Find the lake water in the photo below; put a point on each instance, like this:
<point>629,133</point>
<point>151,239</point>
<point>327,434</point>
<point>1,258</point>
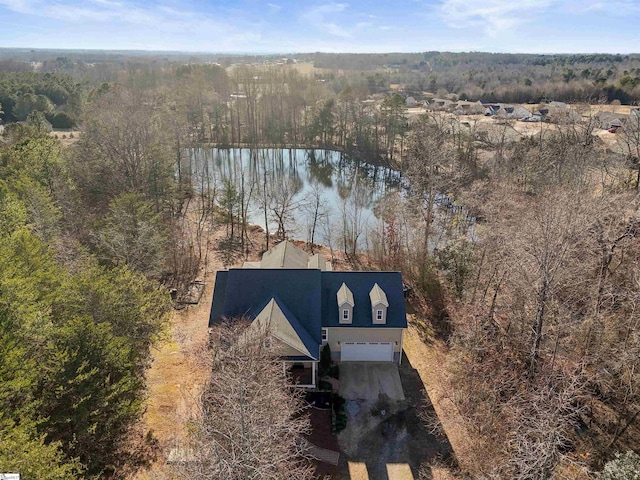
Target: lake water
<point>346,187</point>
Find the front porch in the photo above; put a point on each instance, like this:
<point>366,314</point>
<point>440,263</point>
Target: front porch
<point>302,374</point>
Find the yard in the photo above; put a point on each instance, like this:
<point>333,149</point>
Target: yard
<point>387,438</point>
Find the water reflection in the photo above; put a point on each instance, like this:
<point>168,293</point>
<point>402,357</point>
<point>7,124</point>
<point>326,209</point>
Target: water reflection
<point>323,190</point>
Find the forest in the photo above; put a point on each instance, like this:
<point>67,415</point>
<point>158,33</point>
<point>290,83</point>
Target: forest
<point>523,248</point>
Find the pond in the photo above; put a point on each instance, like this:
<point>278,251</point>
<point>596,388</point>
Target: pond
<point>298,186</point>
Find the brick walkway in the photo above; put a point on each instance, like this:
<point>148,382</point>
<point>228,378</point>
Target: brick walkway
<point>320,454</point>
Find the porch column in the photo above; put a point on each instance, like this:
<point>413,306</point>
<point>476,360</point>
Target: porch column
<point>313,373</point>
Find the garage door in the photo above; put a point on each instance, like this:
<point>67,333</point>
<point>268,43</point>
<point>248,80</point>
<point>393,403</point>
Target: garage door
<point>367,352</point>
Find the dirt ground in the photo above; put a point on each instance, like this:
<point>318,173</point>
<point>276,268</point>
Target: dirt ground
<point>428,359</point>
<point>66,137</point>
<point>179,368</point>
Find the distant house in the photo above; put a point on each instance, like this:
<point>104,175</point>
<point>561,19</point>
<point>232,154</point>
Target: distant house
<point>507,111</point>
<point>555,104</point>
<point>469,108</point>
<point>491,109</point>
<point>439,104</point>
<point>304,305</point>
<point>411,102</point>
<point>609,120</point>
<point>558,112</point>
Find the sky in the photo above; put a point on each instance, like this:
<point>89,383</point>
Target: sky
<point>288,26</point>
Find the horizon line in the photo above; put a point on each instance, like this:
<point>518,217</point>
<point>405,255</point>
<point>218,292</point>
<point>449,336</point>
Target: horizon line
<point>259,54</point>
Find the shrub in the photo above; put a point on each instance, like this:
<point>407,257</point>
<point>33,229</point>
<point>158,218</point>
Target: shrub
<point>324,385</point>
<point>325,358</point>
<point>626,466</point>
<point>338,414</point>
<point>61,120</point>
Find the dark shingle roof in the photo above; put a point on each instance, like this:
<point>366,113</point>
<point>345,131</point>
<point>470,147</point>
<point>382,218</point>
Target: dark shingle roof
<point>307,297</point>
<point>360,284</point>
<point>247,291</point>
<point>219,295</point>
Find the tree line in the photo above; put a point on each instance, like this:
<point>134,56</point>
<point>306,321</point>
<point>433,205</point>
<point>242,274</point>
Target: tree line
<point>535,299</point>
<point>88,238</point>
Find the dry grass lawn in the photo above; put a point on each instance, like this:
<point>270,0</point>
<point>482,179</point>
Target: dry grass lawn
<point>429,360</point>
<point>68,138</point>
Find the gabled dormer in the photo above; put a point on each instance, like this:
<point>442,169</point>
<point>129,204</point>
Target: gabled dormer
<point>379,305</point>
<point>345,304</point>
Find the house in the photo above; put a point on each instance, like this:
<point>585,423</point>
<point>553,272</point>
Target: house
<point>287,255</point>
<point>609,120</point>
<point>411,102</point>
<point>303,305</point>
<point>491,109</point>
<point>439,104</point>
<point>468,108</point>
<point>513,112</point>
<point>557,112</point>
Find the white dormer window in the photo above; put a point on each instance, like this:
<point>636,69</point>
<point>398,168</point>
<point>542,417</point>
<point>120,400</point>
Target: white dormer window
<point>345,302</point>
<point>379,305</point>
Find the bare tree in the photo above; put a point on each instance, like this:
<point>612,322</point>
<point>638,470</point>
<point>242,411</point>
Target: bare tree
<point>430,167</point>
<point>316,209</point>
<point>353,215</point>
<point>250,423</point>
<point>283,202</point>
<point>632,142</point>
<point>540,246</point>
<point>541,427</point>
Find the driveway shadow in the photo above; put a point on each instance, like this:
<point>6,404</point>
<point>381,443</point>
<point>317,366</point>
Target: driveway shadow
<point>408,433</point>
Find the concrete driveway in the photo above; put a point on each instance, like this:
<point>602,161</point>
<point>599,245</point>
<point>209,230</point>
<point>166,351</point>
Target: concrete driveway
<point>367,380</point>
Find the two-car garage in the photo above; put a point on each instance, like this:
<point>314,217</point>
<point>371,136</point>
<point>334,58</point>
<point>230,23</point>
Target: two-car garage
<point>366,352</point>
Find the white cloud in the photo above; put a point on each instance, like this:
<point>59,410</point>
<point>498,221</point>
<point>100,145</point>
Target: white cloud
<point>619,7</point>
<point>317,17</point>
<point>273,8</point>
<point>19,6</point>
<point>108,3</point>
<point>493,15</point>
<point>154,27</point>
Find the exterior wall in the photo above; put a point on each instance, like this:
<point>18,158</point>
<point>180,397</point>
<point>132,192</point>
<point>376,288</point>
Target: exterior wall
<point>284,350</point>
<point>345,306</point>
<point>354,334</point>
<point>374,317</point>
